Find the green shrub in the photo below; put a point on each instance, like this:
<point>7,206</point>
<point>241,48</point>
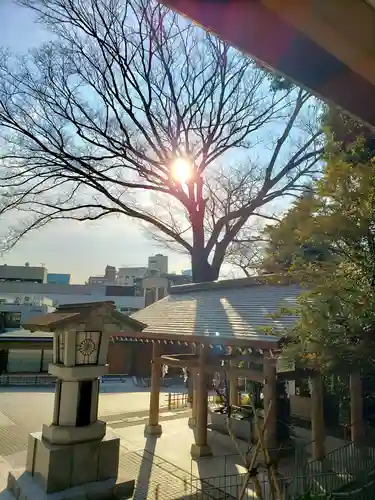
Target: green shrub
<point>245,399</point>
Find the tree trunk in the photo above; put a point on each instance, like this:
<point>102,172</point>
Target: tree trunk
<point>203,271</point>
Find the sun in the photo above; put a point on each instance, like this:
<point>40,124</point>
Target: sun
<point>181,170</point>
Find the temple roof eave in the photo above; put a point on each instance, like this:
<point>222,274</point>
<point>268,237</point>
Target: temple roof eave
<point>251,341</point>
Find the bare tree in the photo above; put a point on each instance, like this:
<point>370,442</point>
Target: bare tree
<point>247,257</point>
<point>92,123</point>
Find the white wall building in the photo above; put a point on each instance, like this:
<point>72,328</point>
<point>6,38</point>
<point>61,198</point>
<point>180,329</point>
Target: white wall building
<point>23,273</point>
<point>158,264</point>
<point>14,310</point>
<point>123,297</point>
<point>128,275</point>
<point>99,280</point>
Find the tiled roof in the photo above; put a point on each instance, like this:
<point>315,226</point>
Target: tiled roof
<point>236,308</point>
<point>67,313</point>
<point>21,334</point>
<point>85,306</point>
<point>50,319</point>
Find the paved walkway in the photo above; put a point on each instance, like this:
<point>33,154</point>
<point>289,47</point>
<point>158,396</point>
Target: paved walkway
<point>162,467</point>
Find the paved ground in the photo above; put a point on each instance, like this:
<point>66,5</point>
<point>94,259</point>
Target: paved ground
<point>23,411</point>
<point>161,467</point>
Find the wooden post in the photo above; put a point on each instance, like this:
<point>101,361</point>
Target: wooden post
<point>233,390</point>
<point>317,417</point>
<point>200,448</point>
<point>193,418</point>
<point>190,387</point>
<point>153,427</point>
<point>270,399</point>
<point>356,408</point>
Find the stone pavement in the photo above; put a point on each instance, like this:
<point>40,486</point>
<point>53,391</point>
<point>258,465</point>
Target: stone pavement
<point>155,477</point>
<point>161,467</point>
<point>25,410</point>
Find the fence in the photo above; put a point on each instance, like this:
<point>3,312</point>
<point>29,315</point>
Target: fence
<point>181,400</point>
<point>345,465</point>
<point>230,488</point>
<point>114,377</point>
<point>163,480</point>
<point>366,492</point>
<point>27,380</point>
<point>343,468</point>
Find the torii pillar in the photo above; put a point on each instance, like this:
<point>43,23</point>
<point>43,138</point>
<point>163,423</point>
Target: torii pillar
<point>317,417</point>
<point>200,448</point>
<point>270,401</point>
<point>233,390</point>
<point>153,427</point>
<point>356,408</point>
<point>193,418</point>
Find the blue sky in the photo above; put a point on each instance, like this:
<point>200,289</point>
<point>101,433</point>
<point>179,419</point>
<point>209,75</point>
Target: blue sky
<point>67,247</point>
<point>85,249</point>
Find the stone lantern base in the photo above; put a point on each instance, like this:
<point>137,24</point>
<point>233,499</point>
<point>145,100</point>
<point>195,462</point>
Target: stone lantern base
<point>81,471</point>
<point>21,486</point>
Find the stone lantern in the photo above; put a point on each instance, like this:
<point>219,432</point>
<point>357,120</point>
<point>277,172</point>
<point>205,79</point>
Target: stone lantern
<point>75,453</point>
<point>79,359</point>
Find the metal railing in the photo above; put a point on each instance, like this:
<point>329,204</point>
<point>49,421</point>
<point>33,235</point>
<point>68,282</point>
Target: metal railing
<point>114,377</point>
<point>346,464</point>
<point>181,400</point>
<point>230,487</point>
<point>170,482</point>
<point>366,492</point>
<point>27,379</point>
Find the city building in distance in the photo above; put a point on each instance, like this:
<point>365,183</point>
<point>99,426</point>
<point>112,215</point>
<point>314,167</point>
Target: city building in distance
<point>58,278</point>
<point>158,264</point>
<point>25,274</point>
<point>29,284</point>
<point>14,310</point>
<point>130,275</point>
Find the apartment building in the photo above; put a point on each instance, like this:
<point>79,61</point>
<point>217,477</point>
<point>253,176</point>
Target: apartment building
<point>26,273</point>
<point>158,264</point>
<point>124,298</point>
<point>58,278</point>
<point>157,287</point>
<point>130,275</point>
<point>14,310</point>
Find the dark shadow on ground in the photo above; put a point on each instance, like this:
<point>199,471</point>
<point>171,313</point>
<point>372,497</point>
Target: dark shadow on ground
<point>142,483</point>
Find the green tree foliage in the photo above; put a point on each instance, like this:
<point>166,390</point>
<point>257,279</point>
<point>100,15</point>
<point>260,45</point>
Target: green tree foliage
<point>336,316</point>
<point>346,131</point>
<point>295,240</point>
